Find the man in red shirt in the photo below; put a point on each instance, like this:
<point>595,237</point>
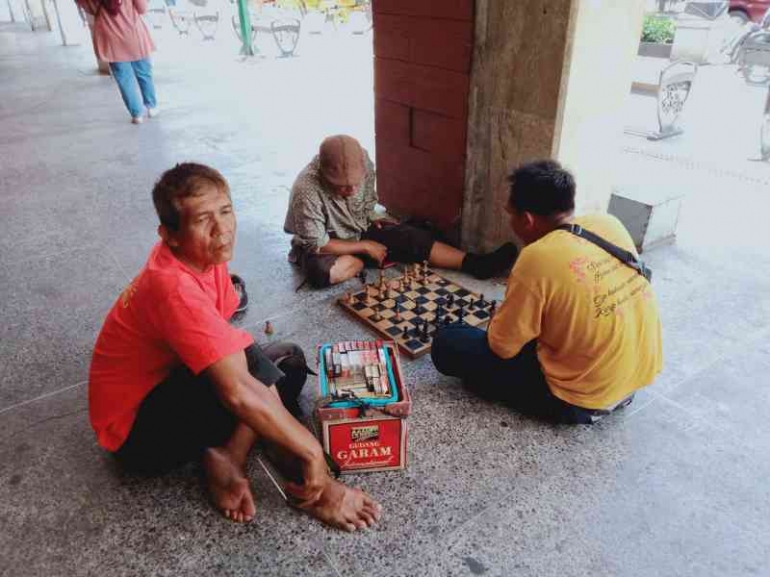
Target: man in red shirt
<point>171,380</point>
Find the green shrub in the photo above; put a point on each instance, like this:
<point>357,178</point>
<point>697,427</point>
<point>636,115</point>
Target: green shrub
<point>659,30</point>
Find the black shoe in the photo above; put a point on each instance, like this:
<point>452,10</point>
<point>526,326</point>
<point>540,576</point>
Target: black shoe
<point>488,265</point>
<point>240,290</point>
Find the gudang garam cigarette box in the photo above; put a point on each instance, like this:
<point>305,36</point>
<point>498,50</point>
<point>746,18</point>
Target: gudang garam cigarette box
<point>363,407</point>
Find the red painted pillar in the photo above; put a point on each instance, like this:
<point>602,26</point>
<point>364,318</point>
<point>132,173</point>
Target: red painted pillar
<point>422,65</point>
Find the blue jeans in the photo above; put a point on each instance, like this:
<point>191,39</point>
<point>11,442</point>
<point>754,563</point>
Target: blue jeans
<point>463,351</point>
<point>128,75</point>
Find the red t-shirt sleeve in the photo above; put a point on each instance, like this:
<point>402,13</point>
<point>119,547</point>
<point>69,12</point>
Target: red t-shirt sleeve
<point>196,330</point>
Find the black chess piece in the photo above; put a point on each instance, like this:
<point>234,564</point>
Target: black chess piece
<point>482,303</point>
<point>492,308</point>
<point>424,337</point>
<point>471,304</point>
<point>362,277</point>
<point>460,314</point>
<point>450,301</point>
<point>405,333</point>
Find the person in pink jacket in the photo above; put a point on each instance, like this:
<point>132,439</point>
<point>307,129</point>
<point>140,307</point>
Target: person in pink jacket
<point>121,38</point>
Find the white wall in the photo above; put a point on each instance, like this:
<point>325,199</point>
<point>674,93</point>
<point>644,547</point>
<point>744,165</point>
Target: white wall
<point>594,89</point>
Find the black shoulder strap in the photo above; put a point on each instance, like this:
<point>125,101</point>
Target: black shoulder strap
<point>626,257</point>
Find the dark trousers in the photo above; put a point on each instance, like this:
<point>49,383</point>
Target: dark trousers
<point>183,415</point>
<point>405,243</point>
<point>463,351</point>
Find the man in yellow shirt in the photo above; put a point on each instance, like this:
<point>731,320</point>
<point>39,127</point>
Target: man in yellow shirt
<point>578,332</point>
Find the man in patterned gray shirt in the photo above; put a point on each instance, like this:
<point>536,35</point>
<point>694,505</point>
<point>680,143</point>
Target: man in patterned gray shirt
<point>336,234</point>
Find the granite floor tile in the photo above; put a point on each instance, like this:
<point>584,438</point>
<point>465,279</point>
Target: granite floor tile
<point>70,510</point>
<point>663,508</point>
<point>52,310</point>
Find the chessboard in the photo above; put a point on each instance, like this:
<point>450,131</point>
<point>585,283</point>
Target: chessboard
<point>408,308</point>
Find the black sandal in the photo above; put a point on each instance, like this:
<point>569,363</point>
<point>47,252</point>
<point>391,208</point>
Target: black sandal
<point>240,289</point>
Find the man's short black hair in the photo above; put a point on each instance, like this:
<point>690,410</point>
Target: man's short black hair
<point>542,187</point>
<point>185,179</point>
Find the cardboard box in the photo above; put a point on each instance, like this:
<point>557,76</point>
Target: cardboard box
<point>373,438</point>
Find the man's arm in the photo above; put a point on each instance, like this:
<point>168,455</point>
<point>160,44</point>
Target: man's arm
<point>517,321</point>
<point>262,411</point>
<point>375,250</point>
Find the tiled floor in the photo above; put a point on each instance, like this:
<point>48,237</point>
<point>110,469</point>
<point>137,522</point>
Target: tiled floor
<point>676,485</point>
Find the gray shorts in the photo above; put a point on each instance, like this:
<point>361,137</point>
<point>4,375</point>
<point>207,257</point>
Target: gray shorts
<point>405,243</point>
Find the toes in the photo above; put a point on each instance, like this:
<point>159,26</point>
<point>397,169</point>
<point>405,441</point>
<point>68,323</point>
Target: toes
<point>371,503</point>
<point>373,512</point>
<point>367,517</point>
<point>249,509</point>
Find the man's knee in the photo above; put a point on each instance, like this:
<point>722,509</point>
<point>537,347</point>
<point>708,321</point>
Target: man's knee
<point>344,268</point>
<point>456,347</point>
<point>290,359</point>
<point>441,350</point>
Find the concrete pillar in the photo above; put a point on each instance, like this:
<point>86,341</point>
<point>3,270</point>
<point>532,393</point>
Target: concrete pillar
<point>16,11</point>
<point>69,23</point>
<point>37,12</point>
<point>101,66</point>
<point>6,13</point>
<point>549,80</point>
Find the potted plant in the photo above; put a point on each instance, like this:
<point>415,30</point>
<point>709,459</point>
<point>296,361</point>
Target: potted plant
<point>657,36</point>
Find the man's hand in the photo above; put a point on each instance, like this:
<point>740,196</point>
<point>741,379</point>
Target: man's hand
<point>315,479</point>
<point>384,222</point>
<point>376,251</point>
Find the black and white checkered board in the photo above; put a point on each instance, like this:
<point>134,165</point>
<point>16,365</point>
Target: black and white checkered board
<point>417,306</point>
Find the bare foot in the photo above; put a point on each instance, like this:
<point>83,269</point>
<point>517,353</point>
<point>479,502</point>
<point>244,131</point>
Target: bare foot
<point>228,486</point>
<point>344,508</point>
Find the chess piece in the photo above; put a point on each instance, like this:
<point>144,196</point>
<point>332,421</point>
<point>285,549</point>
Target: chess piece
<point>376,317</point>
<point>482,303</point>
<point>268,328</point>
<point>471,304</point>
<point>460,314</point>
<point>450,301</point>
<point>362,277</point>
<point>492,309</point>
<point>405,333</point>
<point>398,318</point>
<point>424,337</point>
